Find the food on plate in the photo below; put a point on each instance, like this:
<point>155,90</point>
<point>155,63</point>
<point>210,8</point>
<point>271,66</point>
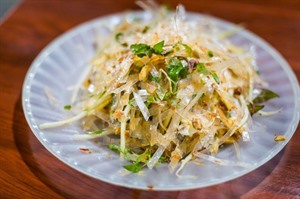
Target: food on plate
<point>167,90</point>
<point>279,138</point>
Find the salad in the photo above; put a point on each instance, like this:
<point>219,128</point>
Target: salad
<point>168,90</point>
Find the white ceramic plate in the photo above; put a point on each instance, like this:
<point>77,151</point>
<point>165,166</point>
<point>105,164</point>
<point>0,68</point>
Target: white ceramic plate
<point>58,67</point>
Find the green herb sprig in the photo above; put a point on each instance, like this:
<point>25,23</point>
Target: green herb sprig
<point>142,50</point>
<point>203,70</point>
<point>67,107</point>
<point>257,104</point>
<point>176,69</point>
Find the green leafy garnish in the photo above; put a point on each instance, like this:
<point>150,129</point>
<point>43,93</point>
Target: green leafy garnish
<point>141,50</point>
<point>118,38</point>
<point>264,96</point>
<point>134,168</point>
<point>254,108</point>
<point>168,95</point>
<point>96,132</point>
<point>175,69</point>
<point>146,28</point>
<point>158,48</point>
<point>154,78</point>
<point>187,49</point>
<point>131,101</point>
<point>162,159</point>
<point>144,157</point>
<point>210,53</point>
<point>150,99</point>
<point>139,163</point>
<point>203,70</point>
<point>114,148</point>
<point>117,148</point>
<point>216,78</point>
<point>101,94</point>
<point>67,107</point>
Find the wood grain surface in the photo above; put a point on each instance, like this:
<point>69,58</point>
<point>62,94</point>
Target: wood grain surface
<point>28,170</point>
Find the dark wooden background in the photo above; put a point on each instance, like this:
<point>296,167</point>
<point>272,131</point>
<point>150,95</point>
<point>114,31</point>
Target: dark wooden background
<point>28,170</point>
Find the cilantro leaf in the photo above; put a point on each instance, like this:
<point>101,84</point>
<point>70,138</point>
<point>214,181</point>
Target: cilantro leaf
<point>117,148</point>
<point>67,107</point>
<point>141,50</point>
<point>187,49</point>
<point>146,28</point>
<point>264,96</point>
<point>144,157</point>
<point>150,99</point>
<point>118,36</point>
<point>139,163</point>
<point>158,48</point>
<point>216,78</point>
<point>162,159</point>
<point>114,148</point>
<point>168,95</point>
<point>202,69</point>
<point>175,69</point>
<point>254,108</point>
<point>210,54</point>
<point>154,78</point>
<point>134,168</point>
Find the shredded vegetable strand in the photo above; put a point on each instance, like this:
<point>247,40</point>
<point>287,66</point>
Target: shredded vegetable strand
<point>144,110</point>
<point>183,163</point>
<point>91,136</point>
<point>63,122</point>
<point>160,121</point>
<point>72,119</point>
<point>123,129</point>
<point>222,161</point>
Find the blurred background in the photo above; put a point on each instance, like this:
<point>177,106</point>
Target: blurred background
<point>6,6</point>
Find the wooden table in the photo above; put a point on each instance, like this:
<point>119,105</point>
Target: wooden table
<point>28,170</point>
